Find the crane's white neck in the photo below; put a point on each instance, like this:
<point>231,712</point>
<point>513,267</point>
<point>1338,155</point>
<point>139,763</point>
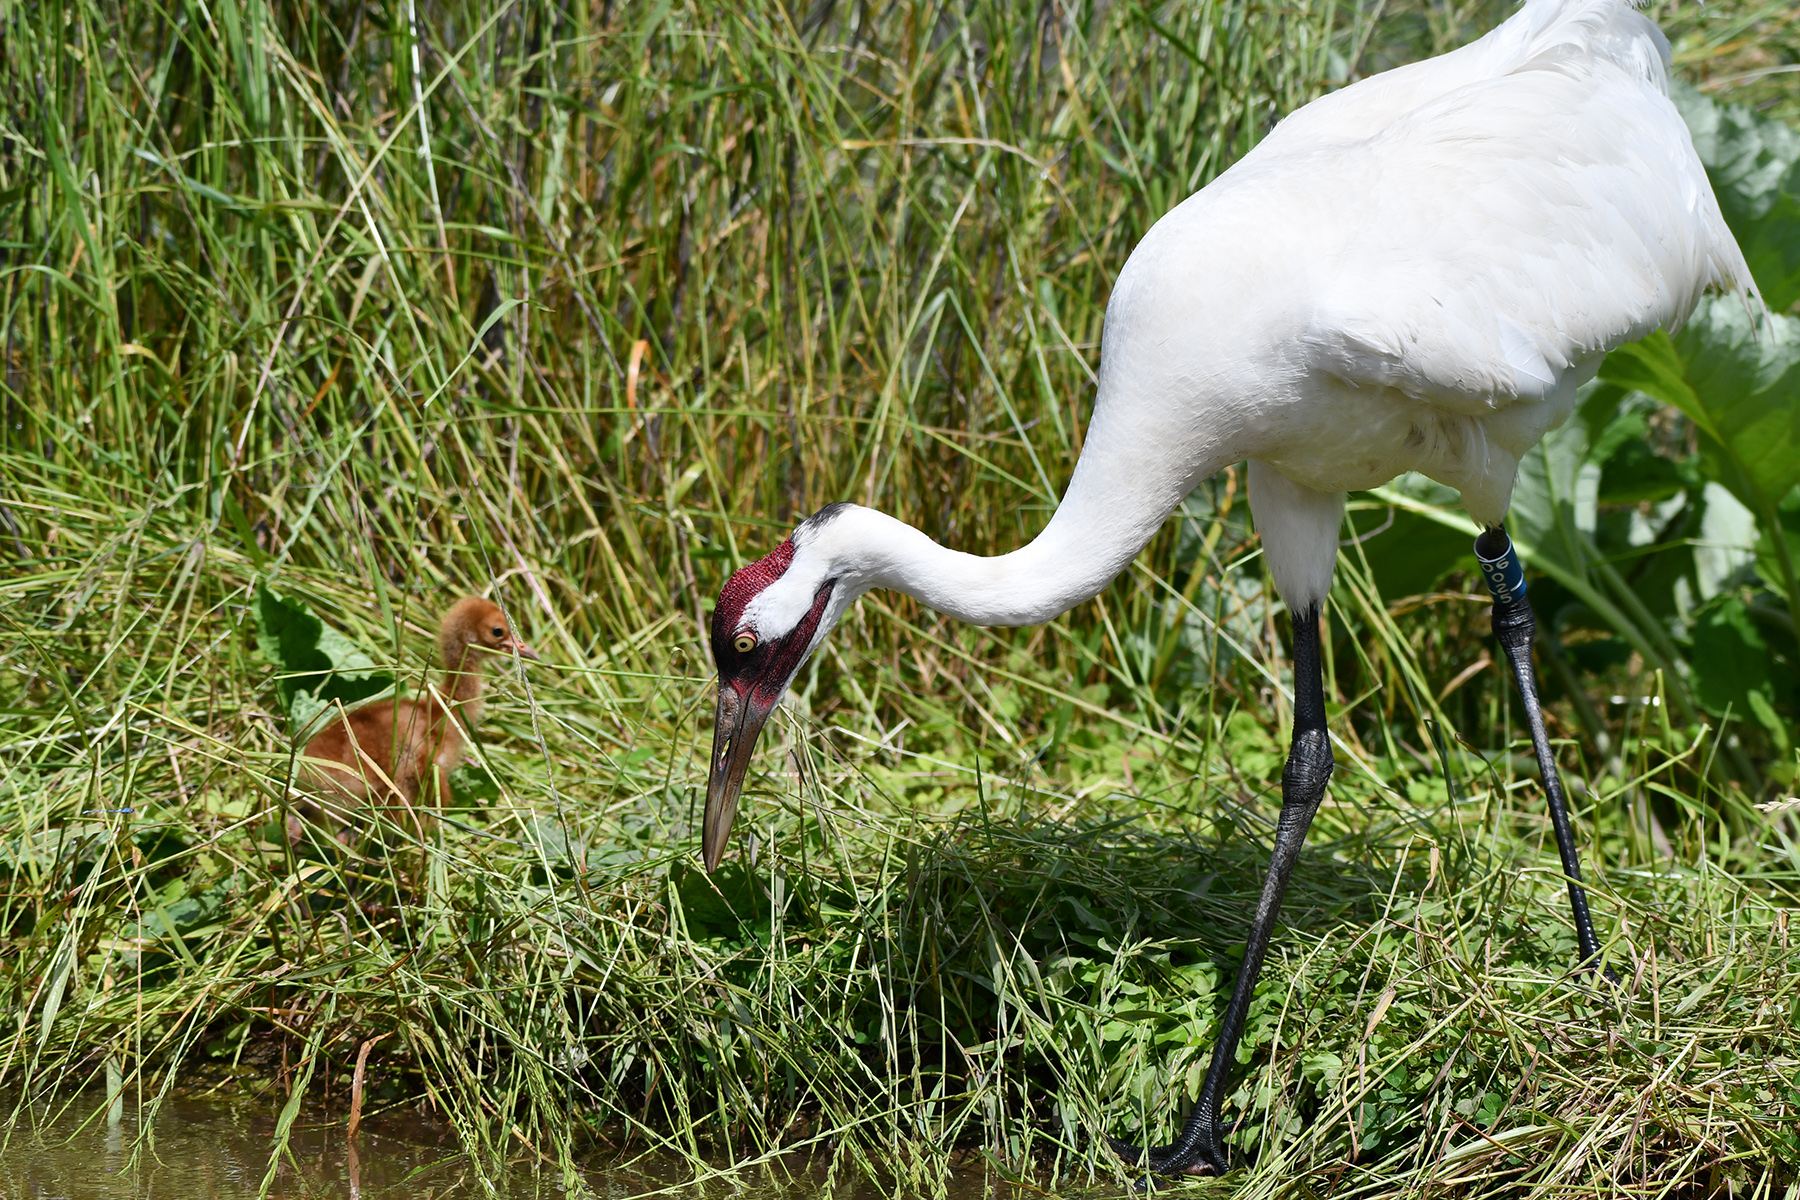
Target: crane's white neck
<point>1142,456</point>
<point>1093,536</point>
<point>1068,563</point>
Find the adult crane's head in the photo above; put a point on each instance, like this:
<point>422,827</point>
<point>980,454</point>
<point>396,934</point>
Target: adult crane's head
<point>771,615</point>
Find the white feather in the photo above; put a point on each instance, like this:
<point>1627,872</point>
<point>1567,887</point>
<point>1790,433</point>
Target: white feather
<point>1299,530</point>
<point>1413,273</point>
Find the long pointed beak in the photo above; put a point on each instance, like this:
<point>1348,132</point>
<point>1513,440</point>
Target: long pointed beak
<point>522,650</point>
<point>739,720</point>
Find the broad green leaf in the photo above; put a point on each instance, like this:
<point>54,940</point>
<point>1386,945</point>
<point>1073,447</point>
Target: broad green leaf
<point>1746,376</point>
<point>1753,162</point>
<point>1554,499</point>
<point>1736,375</point>
<point>318,667</point>
<point>1738,380</point>
<point>1653,367</point>
<point>1664,577</point>
<point>1727,542</point>
<point>1730,663</point>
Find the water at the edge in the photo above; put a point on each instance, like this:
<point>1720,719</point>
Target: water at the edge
<point>218,1149</point>
<point>207,1149</point>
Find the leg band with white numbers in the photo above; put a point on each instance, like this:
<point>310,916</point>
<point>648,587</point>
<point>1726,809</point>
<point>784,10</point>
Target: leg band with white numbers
<point>1504,574</point>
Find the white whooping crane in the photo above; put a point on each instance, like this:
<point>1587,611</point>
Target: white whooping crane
<point>1414,273</point>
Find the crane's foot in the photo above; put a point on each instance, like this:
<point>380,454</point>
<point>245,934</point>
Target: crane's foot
<point>1169,1160</point>
<point>1199,1151</point>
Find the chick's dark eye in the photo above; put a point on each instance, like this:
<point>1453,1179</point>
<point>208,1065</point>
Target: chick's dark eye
<point>499,632</point>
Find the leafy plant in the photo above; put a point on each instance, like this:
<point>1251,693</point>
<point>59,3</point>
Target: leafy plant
<point>319,670</point>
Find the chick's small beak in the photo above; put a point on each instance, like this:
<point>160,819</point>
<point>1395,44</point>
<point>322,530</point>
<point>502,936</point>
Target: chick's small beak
<point>739,720</point>
<point>519,648</point>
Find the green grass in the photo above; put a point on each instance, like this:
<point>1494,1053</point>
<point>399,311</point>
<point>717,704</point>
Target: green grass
<point>350,299</point>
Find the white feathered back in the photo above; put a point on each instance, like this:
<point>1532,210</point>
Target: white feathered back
<point>1521,205</point>
<point>1414,273</point>
<point>1417,272</point>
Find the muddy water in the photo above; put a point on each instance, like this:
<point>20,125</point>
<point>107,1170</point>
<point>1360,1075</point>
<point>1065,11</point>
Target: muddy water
<point>207,1149</point>
<point>211,1149</point>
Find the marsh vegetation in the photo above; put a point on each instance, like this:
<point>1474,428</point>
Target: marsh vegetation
<point>358,307</point>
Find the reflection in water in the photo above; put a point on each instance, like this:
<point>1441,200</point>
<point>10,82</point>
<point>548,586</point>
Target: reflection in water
<point>216,1149</point>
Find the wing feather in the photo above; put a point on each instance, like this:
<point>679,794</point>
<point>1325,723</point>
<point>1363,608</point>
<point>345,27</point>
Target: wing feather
<point>1510,227</point>
<point>1513,229</point>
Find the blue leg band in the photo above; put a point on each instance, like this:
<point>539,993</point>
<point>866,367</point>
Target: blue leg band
<point>1504,574</point>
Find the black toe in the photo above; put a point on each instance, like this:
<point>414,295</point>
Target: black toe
<point>1202,1159</point>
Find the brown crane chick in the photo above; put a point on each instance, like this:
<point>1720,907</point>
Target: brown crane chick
<point>390,753</point>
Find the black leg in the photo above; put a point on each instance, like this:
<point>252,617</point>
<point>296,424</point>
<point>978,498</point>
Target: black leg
<point>1514,627</point>
<point>1200,1149</point>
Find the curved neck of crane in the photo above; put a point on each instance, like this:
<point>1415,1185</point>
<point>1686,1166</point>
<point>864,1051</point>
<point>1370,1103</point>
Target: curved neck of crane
<point>1126,483</point>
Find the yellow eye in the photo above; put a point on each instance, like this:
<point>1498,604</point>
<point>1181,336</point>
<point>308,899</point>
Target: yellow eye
<point>744,643</point>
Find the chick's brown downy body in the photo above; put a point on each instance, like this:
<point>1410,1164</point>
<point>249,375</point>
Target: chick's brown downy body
<point>394,753</point>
